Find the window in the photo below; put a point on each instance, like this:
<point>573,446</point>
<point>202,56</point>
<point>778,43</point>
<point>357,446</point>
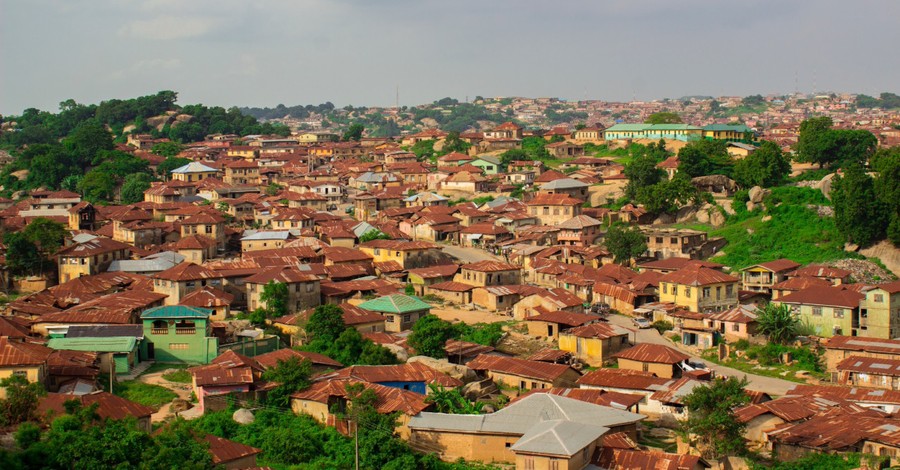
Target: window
<point>706,292</point>
<point>879,298</point>
<point>665,288</point>
<point>729,290</point>
<point>178,346</point>
<point>675,290</point>
<point>659,239</point>
<point>687,292</point>
<point>309,287</point>
<point>406,318</point>
<point>838,313</point>
<point>529,463</point>
<point>736,327</point>
<point>817,311</point>
<point>389,319</point>
<point>646,367</point>
<point>21,373</point>
<point>673,240</point>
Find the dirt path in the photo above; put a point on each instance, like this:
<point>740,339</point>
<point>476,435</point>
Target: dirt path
<point>183,390</point>
<point>469,317</point>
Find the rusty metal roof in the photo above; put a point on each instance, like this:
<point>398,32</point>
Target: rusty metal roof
<point>870,365</point>
<point>598,330</point>
<point>656,353</point>
<point>488,266</point>
<point>859,343</point>
<point>567,319</point>
<point>519,367</point>
<point>224,451</point>
<point>623,379</point>
<point>187,272</point>
<point>109,406</point>
<point>15,353</point>
<point>625,459</point>
<point>389,400</point>
<point>409,372</point>
<point>270,359</point>
<point>697,275</point>
<point>622,401</point>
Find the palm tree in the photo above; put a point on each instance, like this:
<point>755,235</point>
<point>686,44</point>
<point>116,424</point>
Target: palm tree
<point>778,323</point>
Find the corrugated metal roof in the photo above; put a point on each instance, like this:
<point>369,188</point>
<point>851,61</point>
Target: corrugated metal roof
<point>656,353</point>
<point>107,344</point>
<point>558,437</point>
<point>396,303</point>
<point>177,311</point>
<point>519,367</point>
<point>622,379</point>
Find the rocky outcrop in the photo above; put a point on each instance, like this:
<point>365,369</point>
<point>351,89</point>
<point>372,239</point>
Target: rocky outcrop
<point>453,370</point>
<point>243,416</point>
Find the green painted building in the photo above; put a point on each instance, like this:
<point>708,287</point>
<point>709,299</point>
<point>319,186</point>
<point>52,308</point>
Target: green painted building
<point>400,311</point>
<point>488,164</point>
<point>175,333</point>
<point>683,132</point>
<point>729,132</point>
<point>122,349</point>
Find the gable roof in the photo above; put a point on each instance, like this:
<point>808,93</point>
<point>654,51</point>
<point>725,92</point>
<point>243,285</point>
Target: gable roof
<point>656,353</point>
<point>409,372</point>
<point>270,359</point>
<point>558,437</point>
<point>622,378</point>
<point>519,367</point>
<point>176,311</point>
<point>697,275</point>
<point>831,296</point>
<point>14,353</point>
<point>186,272</point>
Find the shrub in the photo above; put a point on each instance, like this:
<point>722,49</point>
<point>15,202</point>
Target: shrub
<point>663,326</point>
<point>741,345</point>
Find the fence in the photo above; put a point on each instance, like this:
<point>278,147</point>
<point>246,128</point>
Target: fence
<point>252,348</point>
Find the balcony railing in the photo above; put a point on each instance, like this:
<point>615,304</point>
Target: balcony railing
<point>159,331</point>
<point>185,331</point>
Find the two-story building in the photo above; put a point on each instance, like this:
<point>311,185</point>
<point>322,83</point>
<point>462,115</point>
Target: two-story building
<point>91,257</point>
<point>552,209</point>
<point>699,289</point>
<point>303,288</point>
<point>176,333</point>
<point>761,277</point>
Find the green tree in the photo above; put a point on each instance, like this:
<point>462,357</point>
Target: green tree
<point>711,425</point>
<point>669,196</point>
<point>275,296</point>
<point>326,323</point>
<point>354,132</point>
<point>778,323</point>
<point>859,215</point>
<point>705,157</point>
<point>642,172</point>
<point>165,168</point>
<point>452,143</point>
<point>663,118</point>
<point>177,445</point>
<point>428,336</point>
<point>22,255</point>
<point>813,143</point>
<point>97,186</point>
<point>625,242</point>
<point>451,401</point>
<point>291,376</point>
<point>133,188</point>
<point>167,149</point>
<point>87,141</point>
<point>46,234</point>
<point>766,167</point>
<point>374,234</point>
<point>21,402</point>
<point>887,188</point>
<point>424,149</point>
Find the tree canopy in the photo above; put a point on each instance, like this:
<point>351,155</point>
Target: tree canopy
<point>625,242</point>
<point>777,323</point>
<point>767,166</point>
<point>663,118</point>
<point>711,424</point>
<point>859,214</point>
<point>819,143</point>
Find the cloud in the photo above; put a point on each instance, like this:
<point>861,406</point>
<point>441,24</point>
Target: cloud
<point>167,28</point>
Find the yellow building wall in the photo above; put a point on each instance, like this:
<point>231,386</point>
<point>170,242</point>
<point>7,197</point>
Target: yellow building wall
<point>661,370</point>
<point>486,448</point>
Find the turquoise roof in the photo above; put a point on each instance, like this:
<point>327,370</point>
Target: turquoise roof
<point>629,127</point>
<point>397,303</point>
<point>176,311</point>
<point>674,127</point>
<point>727,127</point>
<point>110,344</point>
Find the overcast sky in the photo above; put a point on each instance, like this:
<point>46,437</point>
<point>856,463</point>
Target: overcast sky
<point>266,52</point>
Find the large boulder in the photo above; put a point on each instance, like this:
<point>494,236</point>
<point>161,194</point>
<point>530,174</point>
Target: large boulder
<point>716,217</point>
<point>453,370</point>
<point>243,416</point>
<point>398,351</point>
<point>664,219</point>
<point>757,194</point>
<point>687,214</point>
<point>825,185</point>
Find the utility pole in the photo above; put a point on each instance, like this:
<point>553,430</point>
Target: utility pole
<point>356,438</point>
<point>112,365</point>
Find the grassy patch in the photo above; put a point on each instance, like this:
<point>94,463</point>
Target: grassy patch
<point>146,394</point>
<point>180,376</point>
<point>767,362</point>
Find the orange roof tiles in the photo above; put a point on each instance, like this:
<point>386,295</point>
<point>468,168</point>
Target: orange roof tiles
<point>655,353</point>
<point>520,367</point>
